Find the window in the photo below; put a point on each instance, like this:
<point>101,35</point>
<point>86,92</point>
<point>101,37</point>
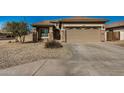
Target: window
<point>44,32</point>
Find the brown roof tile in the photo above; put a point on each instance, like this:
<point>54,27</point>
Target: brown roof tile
<point>72,19</point>
<point>83,19</point>
<point>43,23</point>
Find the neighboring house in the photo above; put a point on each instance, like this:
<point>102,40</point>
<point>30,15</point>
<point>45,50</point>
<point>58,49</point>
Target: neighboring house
<point>74,29</point>
<point>5,35</point>
<point>115,31</point>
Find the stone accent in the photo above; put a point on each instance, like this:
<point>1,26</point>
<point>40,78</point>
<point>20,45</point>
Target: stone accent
<point>62,33</point>
<point>50,35</point>
<point>62,26</point>
<point>102,34</point>
<point>57,25</point>
<point>35,35</point>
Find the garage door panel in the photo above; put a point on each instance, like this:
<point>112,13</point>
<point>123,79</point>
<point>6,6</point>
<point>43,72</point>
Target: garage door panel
<point>76,36</point>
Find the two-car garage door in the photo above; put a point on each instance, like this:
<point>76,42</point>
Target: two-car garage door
<point>78,36</point>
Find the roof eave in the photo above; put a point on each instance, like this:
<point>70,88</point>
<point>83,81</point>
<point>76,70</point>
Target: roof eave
<point>85,21</point>
<point>35,25</point>
<point>114,27</point>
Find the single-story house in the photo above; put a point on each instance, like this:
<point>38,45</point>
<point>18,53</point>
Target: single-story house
<point>73,29</point>
<point>115,31</point>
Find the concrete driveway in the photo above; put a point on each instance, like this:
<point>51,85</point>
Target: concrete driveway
<point>89,59</point>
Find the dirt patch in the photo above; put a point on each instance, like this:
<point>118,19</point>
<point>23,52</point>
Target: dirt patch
<point>12,54</point>
<point>119,43</point>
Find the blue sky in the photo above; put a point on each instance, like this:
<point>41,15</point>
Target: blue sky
<point>33,19</point>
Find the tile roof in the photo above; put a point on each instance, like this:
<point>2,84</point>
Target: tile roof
<point>72,19</point>
<point>43,23</point>
<point>83,19</point>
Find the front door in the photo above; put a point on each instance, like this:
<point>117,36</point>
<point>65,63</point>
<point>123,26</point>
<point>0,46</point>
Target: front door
<point>56,34</point>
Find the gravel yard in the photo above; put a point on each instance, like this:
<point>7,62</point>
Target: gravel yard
<point>12,54</point>
<point>76,59</point>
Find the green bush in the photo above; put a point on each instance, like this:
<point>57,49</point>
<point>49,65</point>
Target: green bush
<point>53,44</point>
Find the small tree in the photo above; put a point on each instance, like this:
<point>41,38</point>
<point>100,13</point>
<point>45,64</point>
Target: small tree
<point>18,29</point>
<point>23,30</point>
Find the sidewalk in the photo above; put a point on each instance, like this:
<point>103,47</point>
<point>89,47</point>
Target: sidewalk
<point>48,67</point>
<point>28,69</point>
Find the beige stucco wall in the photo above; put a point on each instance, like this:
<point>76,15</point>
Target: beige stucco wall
<point>105,36</point>
<point>121,33</point>
<point>79,24</point>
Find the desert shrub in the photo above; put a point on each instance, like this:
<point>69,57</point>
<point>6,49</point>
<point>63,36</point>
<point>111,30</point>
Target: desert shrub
<point>9,41</point>
<point>53,44</point>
